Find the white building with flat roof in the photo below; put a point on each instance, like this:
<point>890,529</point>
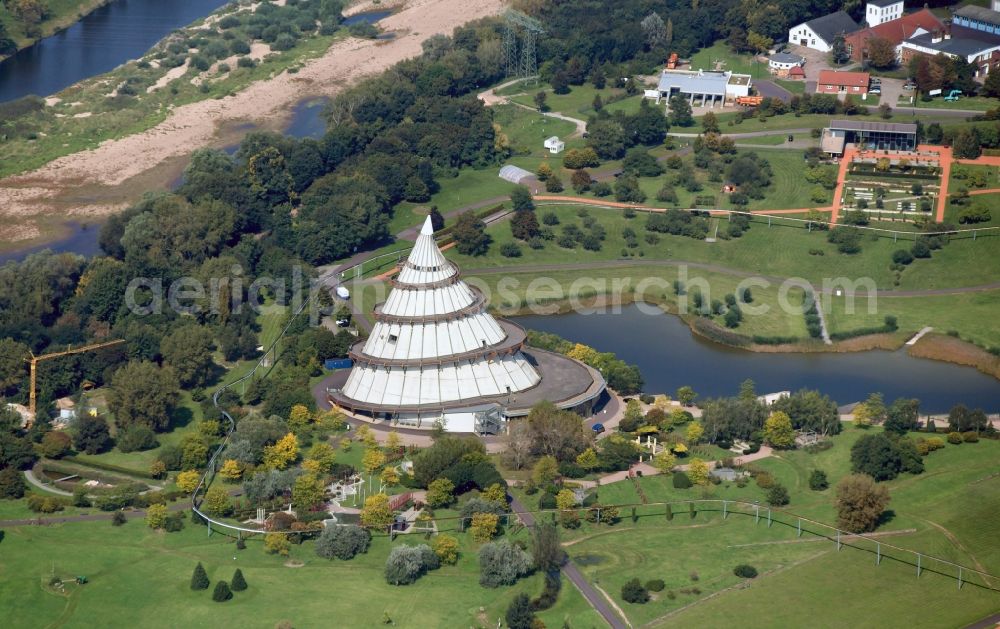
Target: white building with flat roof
<point>708,88</point>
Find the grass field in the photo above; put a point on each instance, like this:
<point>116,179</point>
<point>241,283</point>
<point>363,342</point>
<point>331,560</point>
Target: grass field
<point>948,509</point>
<point>61,13</point>
<point>139,577</point>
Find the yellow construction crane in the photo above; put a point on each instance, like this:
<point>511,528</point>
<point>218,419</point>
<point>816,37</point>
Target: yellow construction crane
<point>34,360</point>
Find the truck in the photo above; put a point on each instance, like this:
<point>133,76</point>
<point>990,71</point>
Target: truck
<point>343,293</point>
<point>672,61</point>
<point>749,101</point>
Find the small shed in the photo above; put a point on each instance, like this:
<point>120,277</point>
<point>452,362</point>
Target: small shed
<point>797,74</point>
<point>555,145</point>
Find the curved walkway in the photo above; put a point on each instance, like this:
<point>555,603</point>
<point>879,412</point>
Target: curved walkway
<point>31,478</point>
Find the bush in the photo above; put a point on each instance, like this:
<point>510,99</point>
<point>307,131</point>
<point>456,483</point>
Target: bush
<point>777,496</point>
<point>222,592</point>
<point>745,571</point>
<point>954,438</point>
<point>510,250</point>
<point>406,564</point>
<point>818,480</point>
<point>681,480</point>
<point>502,563</point>
<point>655,585</point>
<point>970,437</point>
<point>136,438</point>
<point>118,519</point>
<point>546,501</point>
<point>902,256</point>
<point>239,584</point>
<point>342,542</point>
<point>199,578</point>
<point>634,592</point>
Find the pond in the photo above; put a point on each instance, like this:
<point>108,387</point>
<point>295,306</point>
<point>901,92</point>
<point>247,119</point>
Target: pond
<point>82,239</point>
<point>670,356</point>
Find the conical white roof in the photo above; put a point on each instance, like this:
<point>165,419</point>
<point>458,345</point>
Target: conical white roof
<point>436,344</point>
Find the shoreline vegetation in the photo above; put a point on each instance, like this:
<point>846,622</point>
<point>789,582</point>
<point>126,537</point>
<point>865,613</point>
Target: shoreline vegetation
<point>64,15</point>
<point>940,347</point>
<point>100,172</point>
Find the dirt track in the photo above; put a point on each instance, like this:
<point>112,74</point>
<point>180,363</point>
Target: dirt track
<point>99,182</point>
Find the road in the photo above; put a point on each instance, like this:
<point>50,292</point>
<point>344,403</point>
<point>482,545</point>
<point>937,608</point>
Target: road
<point>572,572</point>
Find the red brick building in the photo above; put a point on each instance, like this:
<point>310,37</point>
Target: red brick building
<point>834,82</point>
<point>896,31</point>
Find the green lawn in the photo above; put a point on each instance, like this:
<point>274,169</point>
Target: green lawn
<point>976,103</point>
<point>719,53</point>
<point>795,87</point>
<point>140,578</point>
<point>765,140</point>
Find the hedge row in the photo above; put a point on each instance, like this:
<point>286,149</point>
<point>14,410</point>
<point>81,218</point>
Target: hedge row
<point>850,334</point>
<point>774,340</point>
<point>710,329</point>
<point>107,467</point>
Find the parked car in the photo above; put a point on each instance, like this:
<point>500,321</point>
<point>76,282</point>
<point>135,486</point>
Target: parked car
<point>875,90</point>
<point>597,428</point>
<point>909,86</point>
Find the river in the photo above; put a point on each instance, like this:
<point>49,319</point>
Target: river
<point>101,41</point>
<point>670,356</point>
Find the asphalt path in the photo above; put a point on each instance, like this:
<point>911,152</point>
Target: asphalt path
<point>572,572</point>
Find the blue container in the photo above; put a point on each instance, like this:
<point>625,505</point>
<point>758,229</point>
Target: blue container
<point>338,363</point>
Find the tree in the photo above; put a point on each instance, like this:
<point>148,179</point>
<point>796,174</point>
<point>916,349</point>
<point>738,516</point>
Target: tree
<point>55,444</point>
<point>710,123</point>
<point>967,144</point>
<point>446,548</point>
<point>12,365</point>
<point>871,411</point>
<point>12,484</point>
<point>606,138</point>
<point>553,184</point>
<point>884,455</point>
<point>156,516</point>
<point>484,526</point>
<point>991,86</point>
<point>276,544</point>
<point>520,196</point>
<point>307,492</point>
<point>502,563</point>
<point>519,613</point>
<point>470,235</point>
<point>698,471</point>
<point>860,503</point>
<point>818,481</point>
<point>519,202</point>
<point>686,395</point>
<point>188,349</point>
<point>217,501</point>
<point>838,51</point>
<point>524,224</point>
<point>634,592</point>
<point>282,453</point>
<point>961,419</point>
<point>187,481</point>
<point>575,159</point>
<point>540,101</point>
<point>142,393</point>
<point>376,513</point>
<point>560,83</point>
<point>680,111</point>
<point>694,433</point>
<point>389,476</point>
<point>199,578</point>
<point>324,456</point>
<point>440,493</point>
<point>664,461</point>
<point>300,417</point>
<point>902,415</point>
<point>222,593</point>
<point>546,470</point>
<point>406,564</point>
<point>588,459</point>
<point>373,460</point>
<point>238,584</point>
<point>778,430</point>
<point>777,495</point>
<point>881,52</point>
<point>437,219</point>
<point>546,549</point>
<point>342,542</point>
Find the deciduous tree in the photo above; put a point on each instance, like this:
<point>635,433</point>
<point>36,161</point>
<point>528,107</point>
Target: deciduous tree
<point>778,430</point>
<point>698,471</point>
<point>376,513</point>
<point>860,503</point>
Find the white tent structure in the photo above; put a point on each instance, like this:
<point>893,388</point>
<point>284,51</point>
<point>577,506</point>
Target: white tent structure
<point>435,353</point>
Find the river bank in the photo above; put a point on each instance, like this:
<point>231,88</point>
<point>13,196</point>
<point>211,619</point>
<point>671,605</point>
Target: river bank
<point>64,15</point>
<point>935,347</point>
<point>103,180</point>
